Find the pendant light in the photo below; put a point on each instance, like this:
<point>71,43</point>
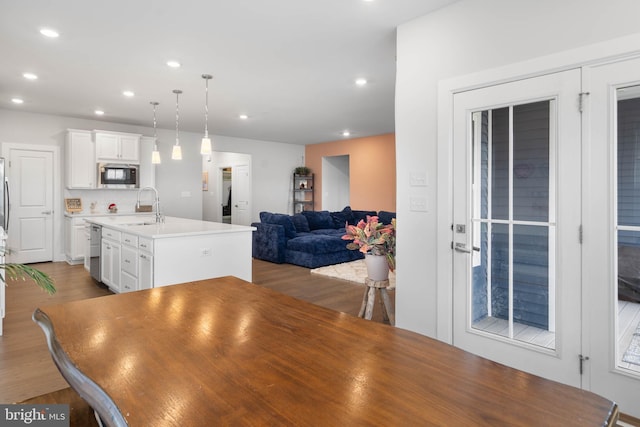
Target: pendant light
<point>205,147</point>
<point>176,153</point>
<point>155,155</point>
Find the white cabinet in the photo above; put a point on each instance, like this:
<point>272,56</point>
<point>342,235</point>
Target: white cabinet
<point>110,258</point>
<point>117,147</point>
<point>80,160</point>
<point>129,256</point>
<point>75,240</point>
<point>145,263</point>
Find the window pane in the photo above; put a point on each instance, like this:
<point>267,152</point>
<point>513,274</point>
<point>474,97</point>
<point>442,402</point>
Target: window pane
<point>531,275</point>
<point>629,161</point>
<point>500,163</point>
<point>531,162</point>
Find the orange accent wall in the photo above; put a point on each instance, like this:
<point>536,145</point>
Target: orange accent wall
<point>372,170</point>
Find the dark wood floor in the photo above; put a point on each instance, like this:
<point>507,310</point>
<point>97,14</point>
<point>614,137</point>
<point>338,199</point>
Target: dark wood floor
<point>26,369</point>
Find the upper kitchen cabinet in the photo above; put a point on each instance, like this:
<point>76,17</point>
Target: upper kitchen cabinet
<point>115,147</point>
<point>80,159</point>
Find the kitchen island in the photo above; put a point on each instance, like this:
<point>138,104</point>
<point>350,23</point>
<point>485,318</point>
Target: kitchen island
<point>136,252</point>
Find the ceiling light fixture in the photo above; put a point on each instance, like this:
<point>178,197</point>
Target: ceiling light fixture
<point>176,153</point>
<point>346,133</point>
<point>173,64</point>
<point>243,117</point>
<point>30,76</point>
<point>17,100</point>
<point>99,113</point>
<point>361,81</point>
<point>48,32</point>
<point>128,93</point>
<point>205,146</point>
<point>155,154</point>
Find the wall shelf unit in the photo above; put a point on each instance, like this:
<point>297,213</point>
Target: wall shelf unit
<point>302,193</point>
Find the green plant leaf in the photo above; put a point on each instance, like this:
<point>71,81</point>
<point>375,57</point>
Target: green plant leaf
<point>24,272</point>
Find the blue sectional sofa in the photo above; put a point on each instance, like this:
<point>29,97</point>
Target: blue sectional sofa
<point>310,239</point>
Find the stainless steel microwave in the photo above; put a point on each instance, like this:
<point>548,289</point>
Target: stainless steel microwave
<point>117,176</point>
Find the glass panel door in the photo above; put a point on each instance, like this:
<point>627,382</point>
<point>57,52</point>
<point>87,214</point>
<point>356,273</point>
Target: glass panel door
<point>611,271</point>
<point>517,287</point>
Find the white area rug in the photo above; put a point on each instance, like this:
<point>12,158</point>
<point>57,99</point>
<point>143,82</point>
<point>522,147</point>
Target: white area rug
<point>354,271</point>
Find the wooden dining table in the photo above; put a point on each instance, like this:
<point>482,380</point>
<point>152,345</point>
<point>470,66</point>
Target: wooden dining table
<point>228,352</point>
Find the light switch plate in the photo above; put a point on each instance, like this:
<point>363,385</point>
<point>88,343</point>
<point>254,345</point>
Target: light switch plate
<point>418,179</point>
<point>418,204</point>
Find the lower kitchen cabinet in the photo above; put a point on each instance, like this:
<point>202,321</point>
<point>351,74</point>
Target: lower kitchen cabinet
<point>74,240</point>
<point>110,262</point>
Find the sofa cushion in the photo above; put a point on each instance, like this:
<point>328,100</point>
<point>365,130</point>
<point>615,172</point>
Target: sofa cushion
<point>318,219</point>
<point>385,217</point>
<point>317,244</point>
<point>361,215</point>
<point>300,223</point>
<point>329,232</point>
<point>342,217</point>
<point>279,219</point>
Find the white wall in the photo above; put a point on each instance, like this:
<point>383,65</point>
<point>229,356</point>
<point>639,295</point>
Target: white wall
<point>464,38</point>
<point>179,182</point>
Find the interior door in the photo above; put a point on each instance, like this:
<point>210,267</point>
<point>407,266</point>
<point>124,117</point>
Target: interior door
<point>516,248</point>
<point>30,175</point>
<point>241,195</point>
<point>612,232</point>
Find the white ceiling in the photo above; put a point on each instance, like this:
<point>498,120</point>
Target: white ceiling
<point>288,64</point>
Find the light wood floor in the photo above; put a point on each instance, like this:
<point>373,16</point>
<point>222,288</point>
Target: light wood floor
<point>26,369</point>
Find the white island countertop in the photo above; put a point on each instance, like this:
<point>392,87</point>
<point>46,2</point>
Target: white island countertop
<point>146,226</point>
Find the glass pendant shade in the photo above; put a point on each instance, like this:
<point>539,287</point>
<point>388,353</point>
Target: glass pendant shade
<point>176,153</point>
<point>205,146</point>
<point>155,155</point>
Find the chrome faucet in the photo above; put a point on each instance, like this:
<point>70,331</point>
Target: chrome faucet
<point>156,203</point>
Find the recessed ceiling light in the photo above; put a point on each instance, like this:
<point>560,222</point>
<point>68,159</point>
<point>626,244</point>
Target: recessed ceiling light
<point>99,113</point>
<point>17,101</point>
<point>243,117</point>
<point>128,93</point>
<point>346,133</point>
<point>361,82</point>
<point>30,76</point>
<point>173,64</point>
<point>48,32</point>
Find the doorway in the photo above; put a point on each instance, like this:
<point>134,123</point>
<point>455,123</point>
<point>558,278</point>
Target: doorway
<point>32,189</point>
<point>226,195</point>
<point>335,183</point>
<point>226,179</point>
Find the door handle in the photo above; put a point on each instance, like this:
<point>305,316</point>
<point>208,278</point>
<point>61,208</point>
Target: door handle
<point>46,213</point>
<point>462,247</point>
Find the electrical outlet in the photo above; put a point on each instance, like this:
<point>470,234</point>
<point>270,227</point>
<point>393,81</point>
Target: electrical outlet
<point>205,251</point>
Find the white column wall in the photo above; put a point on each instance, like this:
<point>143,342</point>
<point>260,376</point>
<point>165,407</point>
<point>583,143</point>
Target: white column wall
<point>470,36</point>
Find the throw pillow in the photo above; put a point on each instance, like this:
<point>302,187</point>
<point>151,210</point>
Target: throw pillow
<point>318,219</point>
<point>280,219</point>
<point>300,223</point>
<point>362,215</point>
<point>342,217</point>
<point>385,217</point>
